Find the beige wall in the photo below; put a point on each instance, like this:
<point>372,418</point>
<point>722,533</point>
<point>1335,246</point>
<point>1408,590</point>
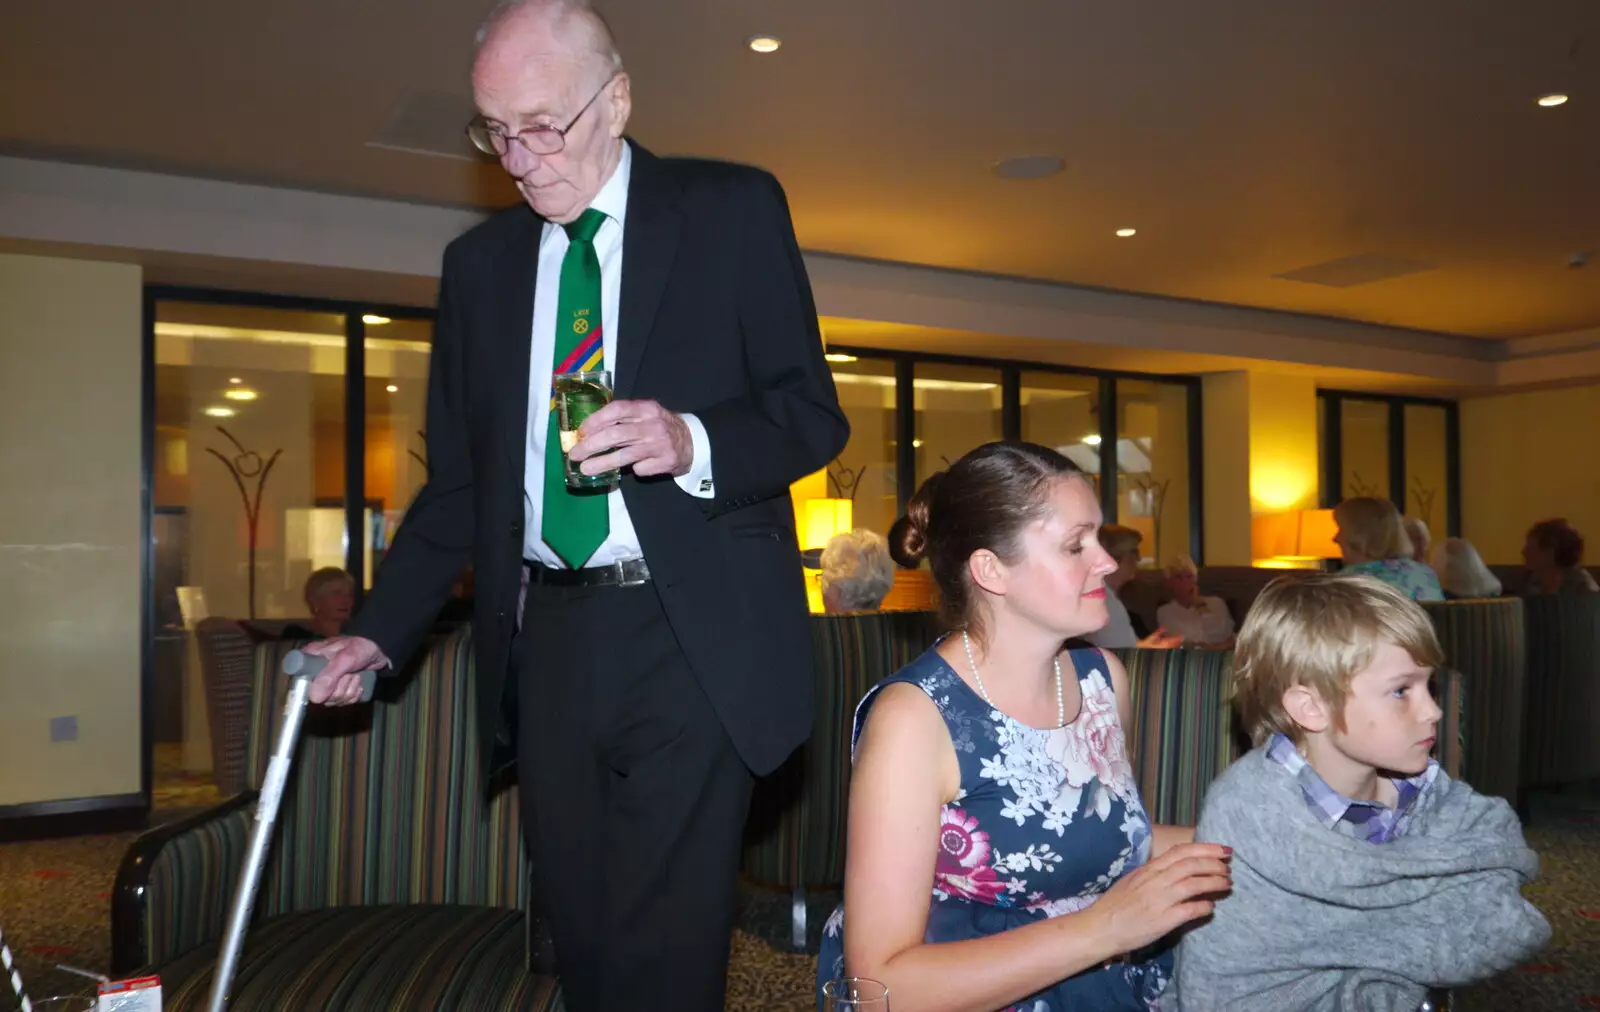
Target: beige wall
<point>1260,455</point>
<point>1225,422</point>
<point>69,527</point>
<point>1526,457</point>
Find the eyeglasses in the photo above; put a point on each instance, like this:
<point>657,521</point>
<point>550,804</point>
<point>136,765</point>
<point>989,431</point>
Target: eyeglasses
<point>541,139</point>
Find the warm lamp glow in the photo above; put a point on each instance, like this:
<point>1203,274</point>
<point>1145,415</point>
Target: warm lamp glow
<point>824,519</point>
<point>1278,488</point>
<point>1293,536</point>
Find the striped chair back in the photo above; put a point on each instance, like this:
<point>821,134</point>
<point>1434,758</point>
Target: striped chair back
<point>386,803</point>
<point>795,835</point>
<point>1181,736</point>
<point>1486,641</point>
<point>227,665</point>
<point>1560,743</point>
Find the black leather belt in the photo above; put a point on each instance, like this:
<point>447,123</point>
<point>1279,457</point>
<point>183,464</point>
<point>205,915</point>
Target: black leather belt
<point>627,573</point>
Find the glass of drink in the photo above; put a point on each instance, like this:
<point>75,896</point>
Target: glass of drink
<point>854,994</point>
<point>76,1003</point>
<point>579,395</point>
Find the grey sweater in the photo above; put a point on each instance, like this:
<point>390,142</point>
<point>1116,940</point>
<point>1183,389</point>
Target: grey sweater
<point>1320,920</point>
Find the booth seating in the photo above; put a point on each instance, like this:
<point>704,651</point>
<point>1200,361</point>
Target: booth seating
<point>395,882</point>
<point>1561,737</point>
<point>1486,641</point>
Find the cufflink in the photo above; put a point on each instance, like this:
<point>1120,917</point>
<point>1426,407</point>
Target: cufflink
<point>705,486</point>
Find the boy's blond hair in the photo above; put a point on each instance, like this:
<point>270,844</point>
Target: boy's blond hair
<point>1320,631</point>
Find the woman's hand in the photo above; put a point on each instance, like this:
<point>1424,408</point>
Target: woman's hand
<point>1161,640</point>
<point>1165,894</point>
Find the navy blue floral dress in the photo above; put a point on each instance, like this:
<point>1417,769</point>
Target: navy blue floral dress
<point>1044,823</point>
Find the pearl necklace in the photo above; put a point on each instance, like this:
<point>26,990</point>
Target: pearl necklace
<point>1061,699</point>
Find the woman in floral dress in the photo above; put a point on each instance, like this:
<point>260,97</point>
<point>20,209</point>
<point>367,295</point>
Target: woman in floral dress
<point>999,856</point>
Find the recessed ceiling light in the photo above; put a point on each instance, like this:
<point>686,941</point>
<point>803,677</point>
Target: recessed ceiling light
<point>235,379</point>
<point>374,319</point>
<point>1029,167</point>
<point>1092,439</point>
<point>220,412</point>
<point>392,388</point>
<point>764,43</point>
<point>834,356</point>
<point>240,394</point>
<point>1553,99</point>
<point>1127,233</point>
<point>916,444</point>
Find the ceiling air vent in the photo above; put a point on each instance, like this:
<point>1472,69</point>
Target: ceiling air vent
<point>429,123</point>
<point>1361,269</point>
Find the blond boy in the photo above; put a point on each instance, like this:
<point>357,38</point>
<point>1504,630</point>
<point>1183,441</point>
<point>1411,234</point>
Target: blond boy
<point>1363,876</point>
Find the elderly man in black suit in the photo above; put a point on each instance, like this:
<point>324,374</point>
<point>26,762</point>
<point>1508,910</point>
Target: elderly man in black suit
<point>642,696</point>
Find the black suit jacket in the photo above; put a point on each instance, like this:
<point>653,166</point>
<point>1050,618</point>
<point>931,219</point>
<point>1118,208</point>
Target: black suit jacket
<point>717,319</point>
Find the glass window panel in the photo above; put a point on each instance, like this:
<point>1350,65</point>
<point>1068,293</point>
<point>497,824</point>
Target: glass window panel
<point>1153,466</point>
<point>865,471</point>
<point>1062,411</point>
<point>396,419</point>
<point>248,476</point>
<point>957,409</point>
<point>1364,429</point>
<point>1427,491</point>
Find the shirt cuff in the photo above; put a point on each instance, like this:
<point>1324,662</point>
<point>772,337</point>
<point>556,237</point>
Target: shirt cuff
<point>698,481</point>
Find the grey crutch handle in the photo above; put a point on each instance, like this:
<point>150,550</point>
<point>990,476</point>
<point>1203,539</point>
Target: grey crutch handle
<point>299,664</point>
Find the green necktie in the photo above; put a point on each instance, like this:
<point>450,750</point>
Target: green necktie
<point>574,524</point>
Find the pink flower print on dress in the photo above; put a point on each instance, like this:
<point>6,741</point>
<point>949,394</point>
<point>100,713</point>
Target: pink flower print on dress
<point>1102,731</point>
<point>963,868</point>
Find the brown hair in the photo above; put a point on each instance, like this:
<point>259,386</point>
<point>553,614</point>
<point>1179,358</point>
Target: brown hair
<point>324,578</point>
<point>1372,527</point>
<point>1118,540</point>
<point>984,501</point>
<point>1560,539</point>
<point>1320,631</point>
<point>902,556</point>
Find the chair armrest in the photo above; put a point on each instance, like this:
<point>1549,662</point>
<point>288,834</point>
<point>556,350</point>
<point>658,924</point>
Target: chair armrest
<point>175,883</point>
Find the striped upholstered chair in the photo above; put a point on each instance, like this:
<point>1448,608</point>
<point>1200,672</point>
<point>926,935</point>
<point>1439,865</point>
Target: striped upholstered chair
<point>1560,743</point>
<point>227,660</point>
<point>393,882</point>
<point>1487,642</point>
<point>795,836</point>
<point>1182,729</point>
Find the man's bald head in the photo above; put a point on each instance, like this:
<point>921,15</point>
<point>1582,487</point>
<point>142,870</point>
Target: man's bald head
<point>551,65</point>
<point>574,25</point>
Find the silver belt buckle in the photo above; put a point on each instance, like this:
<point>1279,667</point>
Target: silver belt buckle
<point>641,572</point>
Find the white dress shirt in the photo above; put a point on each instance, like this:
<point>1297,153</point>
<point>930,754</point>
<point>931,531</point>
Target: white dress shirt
<point>622,542</point>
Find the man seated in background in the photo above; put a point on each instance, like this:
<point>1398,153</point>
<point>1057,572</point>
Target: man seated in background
<point>330,595</point>
<point>856,572</point>
<point>1201,621</point>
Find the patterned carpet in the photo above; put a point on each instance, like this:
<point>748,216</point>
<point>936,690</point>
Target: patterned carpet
<point>54,897</point>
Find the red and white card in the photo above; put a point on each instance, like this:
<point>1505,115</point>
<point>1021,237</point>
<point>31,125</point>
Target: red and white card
<point>141,994</point>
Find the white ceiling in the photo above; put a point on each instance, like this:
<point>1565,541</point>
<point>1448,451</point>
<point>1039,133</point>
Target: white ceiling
<point>1243,138</point>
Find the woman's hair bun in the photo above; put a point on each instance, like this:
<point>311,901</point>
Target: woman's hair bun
<point>911,544</point>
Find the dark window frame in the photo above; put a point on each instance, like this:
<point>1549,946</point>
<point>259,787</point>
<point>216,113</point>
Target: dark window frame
<point>1331,403</point>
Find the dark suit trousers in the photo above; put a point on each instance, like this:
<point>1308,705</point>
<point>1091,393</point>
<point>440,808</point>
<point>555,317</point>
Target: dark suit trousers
<point>634,802</point>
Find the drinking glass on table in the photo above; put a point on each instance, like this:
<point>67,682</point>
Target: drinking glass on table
<point>854,994</point>
<point>579,395</point>
<point>78,1003</point>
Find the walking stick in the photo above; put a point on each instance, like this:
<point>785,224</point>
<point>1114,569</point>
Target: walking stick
<point>301,668</point>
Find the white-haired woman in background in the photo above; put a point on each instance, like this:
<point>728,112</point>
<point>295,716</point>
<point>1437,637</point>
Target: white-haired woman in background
<point>857,572</point>
<point>1462,572</point>
<point>1201,621</point>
